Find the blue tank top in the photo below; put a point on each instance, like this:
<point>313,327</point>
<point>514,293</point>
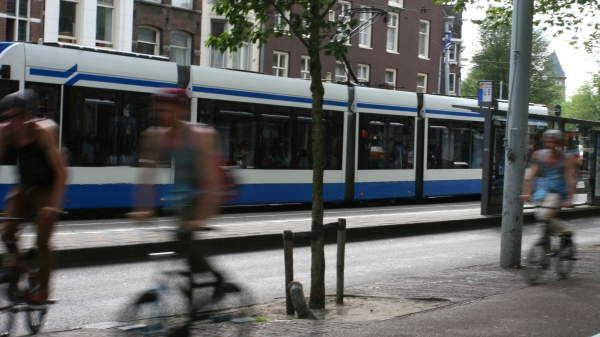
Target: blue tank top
<point>550,179</point>
<point>185,188</point>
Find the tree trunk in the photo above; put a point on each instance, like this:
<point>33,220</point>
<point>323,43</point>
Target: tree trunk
<point>317,286</point>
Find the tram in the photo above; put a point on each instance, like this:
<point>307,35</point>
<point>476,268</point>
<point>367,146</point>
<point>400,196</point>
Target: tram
<point>379,144</point>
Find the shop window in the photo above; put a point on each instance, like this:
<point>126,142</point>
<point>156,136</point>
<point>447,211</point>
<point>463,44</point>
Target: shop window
<point>386,142</point>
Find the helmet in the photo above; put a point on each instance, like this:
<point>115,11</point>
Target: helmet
<point>26,99</point>
<point>175,95</point>
<point>553,134</point>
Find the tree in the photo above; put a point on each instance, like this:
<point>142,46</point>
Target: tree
<point>492,62</point>
<point>564,15</point>
<point>585,103</point>
<point>306,20</point>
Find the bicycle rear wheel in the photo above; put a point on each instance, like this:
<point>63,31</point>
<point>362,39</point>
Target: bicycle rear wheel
<point>537,263</point>
<point>565,261</point>
<point>6,319</point>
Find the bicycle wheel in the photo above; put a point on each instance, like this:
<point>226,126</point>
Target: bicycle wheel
<point>6,319</point>
<point>230,315</point>
<point>148,314</point>
<point>565,261</point>
<point>537,263</point>
<point>35,318</point>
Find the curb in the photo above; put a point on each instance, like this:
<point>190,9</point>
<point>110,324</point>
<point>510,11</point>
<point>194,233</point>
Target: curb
<point>252,243</point>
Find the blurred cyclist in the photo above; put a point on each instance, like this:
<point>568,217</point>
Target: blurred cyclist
<point>193,148</point>
<point>553,173</point>
<point>41,184</point>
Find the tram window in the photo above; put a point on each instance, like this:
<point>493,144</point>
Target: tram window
<point>386,142</point>
<point>205,111</point>
<point>8,87</point>
<point>103,127</point>
<point>237,126</point>
<point>334,133</point>
<point>275,139</point>
<point>453,145</point>
<point>303,157</point>
<point>49,99</point>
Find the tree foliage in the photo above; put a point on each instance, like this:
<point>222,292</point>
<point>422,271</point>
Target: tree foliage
<point>564,15</point>
<point>585,103</point>
<point>492,62</point>
<point>308,21</point>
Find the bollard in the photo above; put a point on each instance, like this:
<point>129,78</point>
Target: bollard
<point>288,255</point>
<point>341,251</point>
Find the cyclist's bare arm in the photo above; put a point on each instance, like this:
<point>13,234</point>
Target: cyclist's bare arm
<point>210,200</point>
<point>144,192</point>
<point>55,159</point>
<point>533,172</point>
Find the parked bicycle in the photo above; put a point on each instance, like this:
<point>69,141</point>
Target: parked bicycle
<point>544,251</point>
<point>18,273</point>
<point>156,312</point>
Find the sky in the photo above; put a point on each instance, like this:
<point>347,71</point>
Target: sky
<point>576,63</point>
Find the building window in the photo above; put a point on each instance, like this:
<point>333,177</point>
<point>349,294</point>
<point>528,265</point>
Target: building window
<point>180,48</point>
<point>452,83</point>
<point>364,36</point>
<point>66,21</point>
<point>182,3</point>
<point>148,41</point>
<point>305,68</point>
<point>396,3</point>
<point>340,72</point>
<point>104,20</point>
<point>17,20</point>
<point>424,39</point>
<point>241,58</point>
<point>452,52</point>
<point>280,23</point>
<point>217,58</point>
<point>280,64</point>
<point>363,73</point>
<point>390,78</point>
<point>392,33</point>
<point>343,16</point>
<point>421,83</point>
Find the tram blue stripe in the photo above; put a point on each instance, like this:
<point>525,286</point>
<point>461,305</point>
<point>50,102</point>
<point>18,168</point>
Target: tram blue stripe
<point>50,73</point>
<point>260,95</point>
<point>454,113</point>
<point>99,78</point>
<point>4,45</point>
<point>386,107</point>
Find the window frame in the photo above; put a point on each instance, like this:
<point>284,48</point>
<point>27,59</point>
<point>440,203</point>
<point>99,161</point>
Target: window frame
<point>277,69</point>
<point>106,43</point>
<point>367,69</point>
<point>70,39</point>
<point>395,38</point>
<point>278,20</point>
<point>214,51</point>
<point>16,19</point>
<point>452,83</point>
<point>365,33</point>
<point>396,3</point>
<point>345,72</point>
<point>156,43</point>
<point>305,63</point>
<point>424,87</point>
<point>188,55</point>
<point>424,39</point>
<point>452,52</point>
<point>190,4</point>
<point>394,72</point>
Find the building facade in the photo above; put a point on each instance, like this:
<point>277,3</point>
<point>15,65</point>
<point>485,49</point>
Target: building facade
<point>20,20</point>
<point>402,52</point>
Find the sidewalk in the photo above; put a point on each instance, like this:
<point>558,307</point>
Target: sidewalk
<point>466,295</point>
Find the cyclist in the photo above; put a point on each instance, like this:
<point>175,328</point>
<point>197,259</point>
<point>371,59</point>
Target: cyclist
<point>195,195</point>
<point>41,183</point>
<point>552,171</point>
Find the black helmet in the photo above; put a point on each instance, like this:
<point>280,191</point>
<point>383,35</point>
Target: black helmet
<point>26,99</point>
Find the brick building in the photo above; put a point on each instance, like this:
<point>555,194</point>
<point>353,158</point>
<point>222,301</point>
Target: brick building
<point>20,20</point>
<point>401,52</point>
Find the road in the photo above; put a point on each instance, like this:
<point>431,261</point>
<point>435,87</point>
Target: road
<point>92,295</point>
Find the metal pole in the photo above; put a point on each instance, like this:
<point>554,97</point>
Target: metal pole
<point>500,90</point>
<point>447,59</point>
<point>341,252</point>
<point>516,134</point>
<point>440,74</point>
<point>288,255</point>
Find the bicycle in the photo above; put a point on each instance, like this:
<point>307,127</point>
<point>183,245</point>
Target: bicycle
<point>150,313</point>
<point>17,274</point>
<point>540,256</point>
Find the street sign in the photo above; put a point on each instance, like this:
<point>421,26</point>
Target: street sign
<point>485,93</point>
<point>557,110</point>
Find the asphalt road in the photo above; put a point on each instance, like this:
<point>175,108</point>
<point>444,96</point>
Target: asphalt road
<point>92,295</point>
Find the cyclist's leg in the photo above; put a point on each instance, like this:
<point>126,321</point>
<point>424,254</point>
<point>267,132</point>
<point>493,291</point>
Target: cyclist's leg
<point>45,227</point>
<point>17,208</point>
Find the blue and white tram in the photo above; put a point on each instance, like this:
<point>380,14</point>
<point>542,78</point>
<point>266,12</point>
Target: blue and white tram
<point>379,144</point>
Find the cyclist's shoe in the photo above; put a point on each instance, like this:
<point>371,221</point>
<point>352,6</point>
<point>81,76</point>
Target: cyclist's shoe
<point>37,300</point>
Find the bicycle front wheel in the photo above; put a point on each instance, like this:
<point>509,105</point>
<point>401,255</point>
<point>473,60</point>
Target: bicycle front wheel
<point>566,260</point>
<point>6,319</point>
<point>537,263</point>
<point>35,318</point>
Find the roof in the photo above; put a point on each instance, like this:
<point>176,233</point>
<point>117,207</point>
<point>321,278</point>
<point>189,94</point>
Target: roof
<point>560,73</point>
